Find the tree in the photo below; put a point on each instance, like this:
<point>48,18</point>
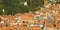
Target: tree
<point>1,8</point>
<point>10,6</point>
<point>17,6</point>
<point>57,1</point>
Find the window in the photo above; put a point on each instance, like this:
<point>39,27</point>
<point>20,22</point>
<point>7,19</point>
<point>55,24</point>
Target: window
<point>23,21</point>
<point>26,21</point>
<point>24,25</point>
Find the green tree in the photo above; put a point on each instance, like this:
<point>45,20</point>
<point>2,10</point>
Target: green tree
<point>17,6</point>
<point>10,6</point>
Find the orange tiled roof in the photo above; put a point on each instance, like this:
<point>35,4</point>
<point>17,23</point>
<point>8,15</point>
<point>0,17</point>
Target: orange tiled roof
<point>27,17</point>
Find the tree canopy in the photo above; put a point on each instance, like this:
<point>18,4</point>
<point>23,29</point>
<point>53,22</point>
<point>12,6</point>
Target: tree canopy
<point>17,6</point>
